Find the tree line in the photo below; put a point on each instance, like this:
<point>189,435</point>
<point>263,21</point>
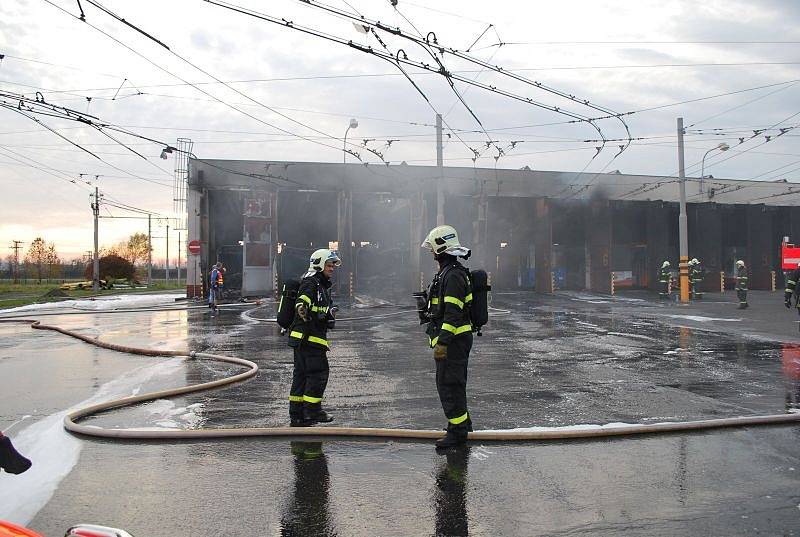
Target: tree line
<point>41,262</point>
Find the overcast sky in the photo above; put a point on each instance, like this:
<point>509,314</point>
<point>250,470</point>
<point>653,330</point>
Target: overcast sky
<point>291,94</point>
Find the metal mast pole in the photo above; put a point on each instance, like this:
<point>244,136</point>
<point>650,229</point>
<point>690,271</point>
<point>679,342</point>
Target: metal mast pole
<point>682,220</point>
<point>96,259</point>
<point>149,252</point>
<point>440,166</point>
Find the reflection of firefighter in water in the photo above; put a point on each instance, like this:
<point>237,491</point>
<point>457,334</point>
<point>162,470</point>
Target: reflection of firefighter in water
<point>450,496</point>
<point>790,356</point>
<point>307,512</point>
<point>665,279</point>
<point>696,275</point>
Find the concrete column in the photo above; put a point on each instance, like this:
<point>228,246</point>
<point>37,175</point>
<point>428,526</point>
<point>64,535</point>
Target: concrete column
<point>658,249</point>
<point>344,236</point>
<point>194,272</point>
<point>598,238</point>
<point>417,231</point>
<point>480,230</point>
<point>759,246</point>
<point>705,242</point>
<point>543,244</point>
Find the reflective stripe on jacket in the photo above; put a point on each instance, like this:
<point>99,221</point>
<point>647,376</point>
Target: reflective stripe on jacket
<point>314,293</point>
<point>450,299</point>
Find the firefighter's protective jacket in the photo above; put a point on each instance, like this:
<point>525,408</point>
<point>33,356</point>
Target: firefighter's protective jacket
<point>314,292</point>
<point>449,300</point>
<point>791,284</point>
<point>741,279</point>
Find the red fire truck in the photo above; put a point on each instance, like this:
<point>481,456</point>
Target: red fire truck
<point>790,255</point>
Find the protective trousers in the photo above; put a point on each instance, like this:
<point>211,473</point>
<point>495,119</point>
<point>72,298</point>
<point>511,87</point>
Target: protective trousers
<point>742,295</point>
<point>309,379</point>
<point>451,383</point>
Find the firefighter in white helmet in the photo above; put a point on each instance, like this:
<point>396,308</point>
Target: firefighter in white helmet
<point>665,279</point>
<point>308,335</point>
<point>696,275</point>
<point>741,284</point>
<point>450,330</point>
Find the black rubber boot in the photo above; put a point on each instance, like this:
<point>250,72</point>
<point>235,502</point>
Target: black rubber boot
<point>318,416</point>
<point>10,459</point>
<point>300,422</point>
<point>454,437</point>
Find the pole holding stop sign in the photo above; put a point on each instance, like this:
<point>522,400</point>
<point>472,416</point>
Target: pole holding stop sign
<point>193,247</point>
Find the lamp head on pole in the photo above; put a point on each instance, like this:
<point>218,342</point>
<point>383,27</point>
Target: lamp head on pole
<point>353,123</point>
<point>723,146</point>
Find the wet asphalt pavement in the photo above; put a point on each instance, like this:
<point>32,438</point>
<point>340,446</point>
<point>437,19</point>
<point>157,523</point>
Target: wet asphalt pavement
<point>572,358</point>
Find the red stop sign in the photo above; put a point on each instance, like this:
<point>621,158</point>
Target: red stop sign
<point>194,247</point>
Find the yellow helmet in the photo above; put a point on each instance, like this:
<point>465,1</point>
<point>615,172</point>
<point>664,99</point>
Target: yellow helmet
<point>444,239</point>
<point>318,259</point>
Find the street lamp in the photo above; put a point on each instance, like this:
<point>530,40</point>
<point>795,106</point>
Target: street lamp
<point>721,147</point>
<point>353,125</point>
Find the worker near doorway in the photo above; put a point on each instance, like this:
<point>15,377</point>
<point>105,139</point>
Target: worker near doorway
<point>449,330</point>
<point>741,284</point>
<point>215,284</point>
<point>665,279</point>
<point>308,336</point>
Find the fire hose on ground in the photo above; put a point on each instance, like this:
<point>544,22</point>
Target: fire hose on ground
<point>556,433</point>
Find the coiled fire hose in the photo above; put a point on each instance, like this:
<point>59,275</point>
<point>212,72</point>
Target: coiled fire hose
<point>555,433</point>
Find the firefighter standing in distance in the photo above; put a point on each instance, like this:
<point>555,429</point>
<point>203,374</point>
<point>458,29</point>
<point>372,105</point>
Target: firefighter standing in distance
<point>696,275</point>
<point>664,277</point>
<point>315,313</point>
<point>792,288</point>
<point>450,330</point>
<point>741,284</point>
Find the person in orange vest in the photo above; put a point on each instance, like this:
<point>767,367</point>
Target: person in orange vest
<point>10,459</point>
<point>216,284</point>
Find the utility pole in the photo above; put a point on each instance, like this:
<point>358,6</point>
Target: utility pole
<point>179,257</point>
<point>682,220</point>
<point>96,267</point>
<point>149,252</point>
<point>16,249</point>
<point>440,166</point>
<point>167,264</point>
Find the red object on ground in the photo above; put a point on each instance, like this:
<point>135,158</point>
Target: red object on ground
<point>7,529</point>
<point>790,256</point>
<point>194,247</point>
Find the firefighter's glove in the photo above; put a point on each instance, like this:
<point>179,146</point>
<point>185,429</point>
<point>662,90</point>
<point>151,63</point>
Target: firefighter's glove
<point>331,321</point>
<point>302,311</point>
<point>439,352</point>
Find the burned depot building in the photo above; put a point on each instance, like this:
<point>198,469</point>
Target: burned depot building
<point>530,229</point>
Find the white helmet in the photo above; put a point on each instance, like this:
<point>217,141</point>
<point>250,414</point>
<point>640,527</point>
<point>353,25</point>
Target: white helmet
<point>318,259</point>
<point>694,261</point>
<point>444,239</point>
<point>740,263</point>
<point>665,264</point>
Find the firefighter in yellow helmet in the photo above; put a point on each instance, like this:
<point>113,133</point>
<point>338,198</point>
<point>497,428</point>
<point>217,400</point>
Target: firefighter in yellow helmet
<point>450,330</point>
<point>308,336</point>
